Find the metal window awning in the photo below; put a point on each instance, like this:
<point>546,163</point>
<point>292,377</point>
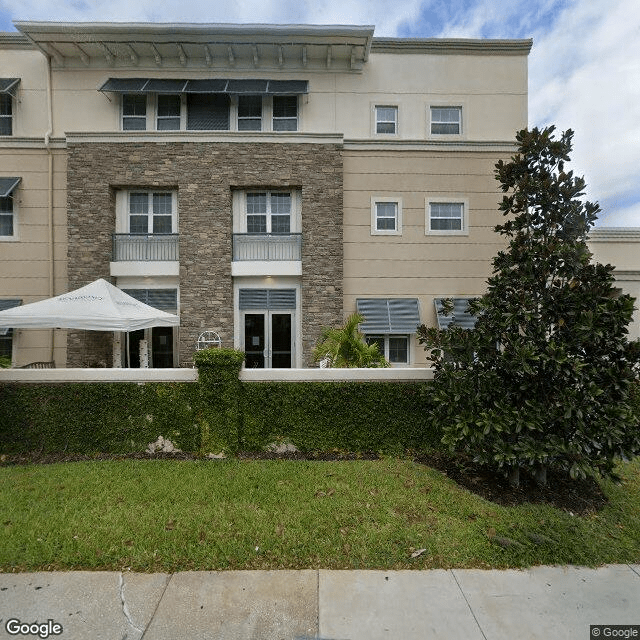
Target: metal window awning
<point>209,85</point>
<point>389,315</point>
<point>460,317</point>
<point>7,186</point>
<point>9,85</point>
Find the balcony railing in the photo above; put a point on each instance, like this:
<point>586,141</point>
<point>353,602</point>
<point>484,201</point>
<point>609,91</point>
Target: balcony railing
<point>267,246</point>
<point>144,247</point>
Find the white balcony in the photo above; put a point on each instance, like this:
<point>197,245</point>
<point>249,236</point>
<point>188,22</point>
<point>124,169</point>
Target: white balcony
<point>145,254</point>
<point>267,254</point>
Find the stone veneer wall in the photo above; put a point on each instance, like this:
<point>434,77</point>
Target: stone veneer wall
<point>204,175</point>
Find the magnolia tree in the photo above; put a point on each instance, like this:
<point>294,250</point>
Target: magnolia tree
<point>544,379</point>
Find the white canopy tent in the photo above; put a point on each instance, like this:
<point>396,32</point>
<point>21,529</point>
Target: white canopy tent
<point>98,306</point>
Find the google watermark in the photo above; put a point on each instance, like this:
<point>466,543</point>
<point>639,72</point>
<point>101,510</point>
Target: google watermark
<point>615,631</point>
<point>46,629</point>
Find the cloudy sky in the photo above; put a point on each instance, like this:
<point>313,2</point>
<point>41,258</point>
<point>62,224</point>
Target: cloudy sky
<point>584,69</point>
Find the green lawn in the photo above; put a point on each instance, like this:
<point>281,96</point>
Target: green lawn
<point>171,516</point>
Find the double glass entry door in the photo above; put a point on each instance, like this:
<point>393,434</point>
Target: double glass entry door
<point>268,340</point>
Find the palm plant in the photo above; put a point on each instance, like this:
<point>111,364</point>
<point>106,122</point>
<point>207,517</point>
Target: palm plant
<point>346,346</point>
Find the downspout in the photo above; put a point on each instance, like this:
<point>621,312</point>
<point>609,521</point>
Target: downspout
<point>47,144</point>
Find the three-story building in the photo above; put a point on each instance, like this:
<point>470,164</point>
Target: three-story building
<point>262,181</point>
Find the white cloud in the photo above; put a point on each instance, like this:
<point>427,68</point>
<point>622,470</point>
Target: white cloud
<point>584,66</point>
<point>380,13</point>
<point>584,76</point>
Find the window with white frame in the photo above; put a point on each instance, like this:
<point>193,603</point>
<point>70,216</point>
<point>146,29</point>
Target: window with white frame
<point>151,212</point>
<point>446,120</point>
<point>134,112</point>
<point>387,119</point>
<point>268,211</point>
<point>386,216</point>
<point>201,112</point>
<point>285,113</point>
<point>446,218</point>
<point>394,348</point>
<point>7,226</point>
<point>6,114</point>
<point>8,208</point>
<point>249,113</point>
<point>168,111</point>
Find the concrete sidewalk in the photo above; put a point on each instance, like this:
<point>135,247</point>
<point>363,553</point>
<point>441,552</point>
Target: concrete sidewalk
<point>543,602</point>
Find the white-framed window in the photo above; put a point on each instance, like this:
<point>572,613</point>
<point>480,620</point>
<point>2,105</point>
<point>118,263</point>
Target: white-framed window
<point>386,119</point>
<point>134,112</point>
<point>446,217</point>
<point>268,211</point>
<point>150,212</point>
<point>6,114</point>
<point>7,218</point>
<point>285,113</point>
<point>446,120</point>
<point>249,113</point>
<point>394,348</point>
<point>168,112</point>
<point>386,216</point>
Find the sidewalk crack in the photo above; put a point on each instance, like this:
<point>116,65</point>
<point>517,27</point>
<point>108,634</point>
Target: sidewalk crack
<point>125,608</point>
<point>634,571</point>
<point>153,615</point>
<point>468,605</point>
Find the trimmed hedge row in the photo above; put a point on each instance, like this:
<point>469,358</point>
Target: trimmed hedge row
<point>354,416</point>
<point>218,413</point>
<point>97,417</point>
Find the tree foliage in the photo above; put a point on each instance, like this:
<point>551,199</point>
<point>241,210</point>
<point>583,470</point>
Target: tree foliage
<point>544,378</point>
<point>346,347</point>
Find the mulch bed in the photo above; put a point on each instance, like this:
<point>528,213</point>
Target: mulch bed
<point>575,496</point>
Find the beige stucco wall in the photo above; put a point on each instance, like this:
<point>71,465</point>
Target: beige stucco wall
<point>30,104</point>
<point>416,265</point>
<point>622,249</point>
<point>492,91</point>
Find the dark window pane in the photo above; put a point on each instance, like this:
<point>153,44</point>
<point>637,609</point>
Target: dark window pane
<point>138,224</point>
<point>256,224</point>
<point>138,202</point>
<point>168,124</point>
<point>162,203</point>
<point>161,224</point>
<point>386,224</point>
<point>250,106</point>
<point>280,224</point>
<point>168,106</point>
<point>134,105</point>
<point>134,124</point>
<point>6,205</point>
<point>207,112</point>
<point>249,124</point>
<point>6,225</point>
<point>285,107</point>
<point>5,105</point>
<point>398,349</point>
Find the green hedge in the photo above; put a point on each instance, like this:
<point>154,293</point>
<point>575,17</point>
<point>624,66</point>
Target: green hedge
<point>97,417</point>
<point>354,416</point>
<point>219,413</point>
<point>220,394</point>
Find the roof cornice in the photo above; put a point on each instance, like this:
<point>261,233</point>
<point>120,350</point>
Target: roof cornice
<point>620,234</point>
<point>452,46</point>
<point>13,40</point>
<point>337,47</point>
